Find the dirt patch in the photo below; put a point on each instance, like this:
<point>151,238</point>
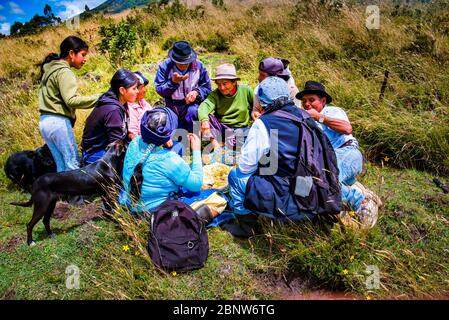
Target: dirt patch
<point>439,199</point>
<point>62,211</point>
<point>417,233</point>
<point>321,295</point>
<point>288,287</point>
<point>11,244</point>
<point>9,294</point>
<point>400,213</point>
<point>89,212</point>
<point>81,214</point>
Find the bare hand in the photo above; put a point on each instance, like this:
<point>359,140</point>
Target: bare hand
<point>191,96</point>
<point>255,115</point>
<point>205,128</point>
<point>195,142</point>
<point>315,114</point>
<point>168,144</point>
<point>177,78</point>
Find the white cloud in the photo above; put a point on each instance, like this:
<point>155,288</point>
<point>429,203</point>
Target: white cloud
<point>75,7</point>
<point>15,8</point>
<point>5,28</point>
<point>2,18</point>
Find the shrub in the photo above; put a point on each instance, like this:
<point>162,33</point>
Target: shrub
<point>168,43</point>
<point>269,33</point>
<point>216,43</point>
<point>118,42</point>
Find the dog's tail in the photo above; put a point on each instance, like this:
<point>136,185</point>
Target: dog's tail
<point>29,203</point>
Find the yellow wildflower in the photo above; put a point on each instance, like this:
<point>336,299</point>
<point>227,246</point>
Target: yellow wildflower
<point>137,253</point>
<point>386,159</point>
<point>174,274</point>
<point>125,248</point>
<point>345,271</point>
<point>351,258</point>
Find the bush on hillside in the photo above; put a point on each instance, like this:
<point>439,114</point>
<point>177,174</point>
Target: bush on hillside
<point>216,42</point>
<point>118,43</point>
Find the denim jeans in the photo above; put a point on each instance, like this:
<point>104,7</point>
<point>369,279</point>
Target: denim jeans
<point>91,158</point>
<point>58,134</point>
<point>237,188</point>
<point>350,163</point>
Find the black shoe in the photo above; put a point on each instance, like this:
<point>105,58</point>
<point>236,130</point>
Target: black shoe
<point>246,226</point>
<point>205,213</point>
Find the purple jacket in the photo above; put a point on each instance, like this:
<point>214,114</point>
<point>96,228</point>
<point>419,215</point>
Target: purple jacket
<point>105,124</point>
<point>174,93</point>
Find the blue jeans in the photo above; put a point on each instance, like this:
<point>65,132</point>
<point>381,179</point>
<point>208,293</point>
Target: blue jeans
<point>58,134</point>
<point>237,188</point>
<point>350,163</point>
<point>91,158</point>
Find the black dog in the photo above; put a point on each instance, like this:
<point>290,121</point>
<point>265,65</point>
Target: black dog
<point>99,178</point>
<point>24,167</point>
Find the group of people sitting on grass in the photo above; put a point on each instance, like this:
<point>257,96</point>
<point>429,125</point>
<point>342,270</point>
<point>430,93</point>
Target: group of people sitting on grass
<point>233,119</point>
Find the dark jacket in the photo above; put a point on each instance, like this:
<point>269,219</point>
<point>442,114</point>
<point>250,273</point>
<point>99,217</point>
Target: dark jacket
<point>305,180</point>
<point>105,124</point>
<point>165,87</point>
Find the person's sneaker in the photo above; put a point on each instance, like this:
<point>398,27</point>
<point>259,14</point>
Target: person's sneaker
<point>246,226</point>
<point>365,217</point>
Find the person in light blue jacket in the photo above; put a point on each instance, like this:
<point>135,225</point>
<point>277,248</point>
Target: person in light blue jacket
<point>164,171</point>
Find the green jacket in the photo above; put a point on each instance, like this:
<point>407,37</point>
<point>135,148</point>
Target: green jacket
<point>57,91</point>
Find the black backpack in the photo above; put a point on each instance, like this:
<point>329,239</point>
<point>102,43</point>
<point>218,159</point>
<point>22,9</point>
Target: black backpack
<point>178,237</point>
<point>317,169</point>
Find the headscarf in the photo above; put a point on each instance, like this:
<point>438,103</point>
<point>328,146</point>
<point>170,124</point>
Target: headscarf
<point>163,122</point>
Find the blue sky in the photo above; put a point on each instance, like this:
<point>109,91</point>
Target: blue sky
<point>24,10</point>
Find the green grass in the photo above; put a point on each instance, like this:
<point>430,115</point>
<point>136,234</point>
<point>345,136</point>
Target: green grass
<point>404,132</point>
<point>409,245</point>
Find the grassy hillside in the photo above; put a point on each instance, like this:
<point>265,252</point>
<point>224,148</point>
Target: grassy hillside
<point>405,137</point>
<point>114,6</point>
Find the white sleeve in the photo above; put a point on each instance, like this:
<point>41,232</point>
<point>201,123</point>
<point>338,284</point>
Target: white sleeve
<point>336,113</point>
<point>256,145</point>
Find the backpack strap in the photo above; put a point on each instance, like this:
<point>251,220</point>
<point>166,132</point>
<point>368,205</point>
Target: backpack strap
<point>294,118</point>
<point>287,115</point>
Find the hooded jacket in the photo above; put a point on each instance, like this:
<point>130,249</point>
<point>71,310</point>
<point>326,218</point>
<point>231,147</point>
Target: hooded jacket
<point>106,123</point>
<point>57,91</point>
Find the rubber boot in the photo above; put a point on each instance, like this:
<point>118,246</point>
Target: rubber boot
<point>245,227</point>
<point>205,213</point>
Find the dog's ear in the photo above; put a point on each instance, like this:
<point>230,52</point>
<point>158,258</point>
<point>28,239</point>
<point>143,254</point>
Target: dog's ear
<point>117,147</point>
<point>121,147</point>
